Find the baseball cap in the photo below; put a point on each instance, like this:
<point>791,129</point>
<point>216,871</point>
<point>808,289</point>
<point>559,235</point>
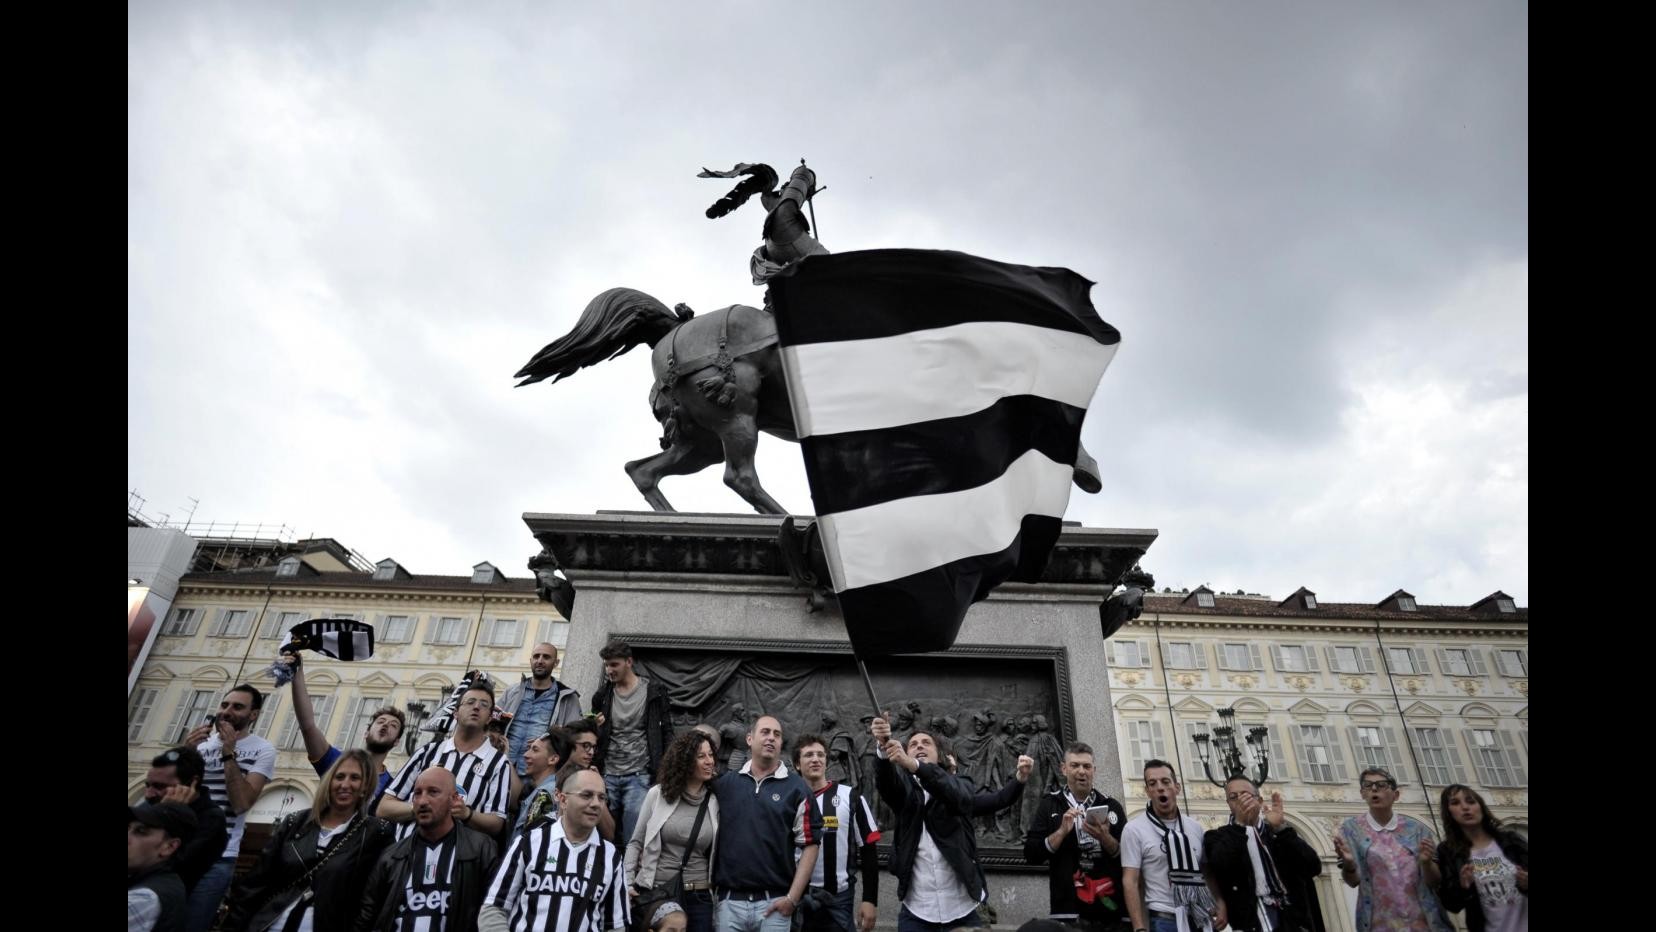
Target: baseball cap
<point>175,819</point>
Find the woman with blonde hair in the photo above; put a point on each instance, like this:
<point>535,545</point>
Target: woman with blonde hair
<point>310,875</point>
<point>670,854</point>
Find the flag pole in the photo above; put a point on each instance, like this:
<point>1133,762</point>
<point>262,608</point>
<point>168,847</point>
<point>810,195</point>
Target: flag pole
<point>869,685</point>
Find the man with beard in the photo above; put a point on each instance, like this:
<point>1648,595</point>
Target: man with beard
<point>435,878</point>
<point>765,813</point>
<point>385,728</point>
<point>1261,866</point>
<point>561,875</point>
<point>537,703</point>
<point>155,895</point>
<point>935,854</point>
<point>175,777</point>
<point>238,765</point>
<point>635,726</point>
<point>1082,853</point>
<point>478,766</point>
<point>1161,862</point>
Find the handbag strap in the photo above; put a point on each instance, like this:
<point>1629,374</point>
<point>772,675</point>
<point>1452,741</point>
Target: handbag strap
<point>333,846</point>
<point>695,830</point>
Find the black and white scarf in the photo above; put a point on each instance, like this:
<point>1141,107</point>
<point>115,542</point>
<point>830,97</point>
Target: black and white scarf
<point>1265,874</point>
<point>1195,906</point>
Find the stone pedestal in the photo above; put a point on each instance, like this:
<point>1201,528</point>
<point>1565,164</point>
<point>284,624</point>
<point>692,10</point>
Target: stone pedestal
<point>716,585</point>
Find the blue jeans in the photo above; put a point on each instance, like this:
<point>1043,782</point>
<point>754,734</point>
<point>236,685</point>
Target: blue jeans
<point>742,916</point>
<point>1158,924</point>
<point>626,796</point>
<point>203,904</point>
<point>698,910</point>
<point>838,915</point>
<point>909,922</point>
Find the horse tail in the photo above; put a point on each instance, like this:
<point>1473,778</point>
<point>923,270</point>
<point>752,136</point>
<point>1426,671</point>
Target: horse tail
<point>613,323</point>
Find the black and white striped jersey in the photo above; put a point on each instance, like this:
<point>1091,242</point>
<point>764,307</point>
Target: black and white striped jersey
<point>546,884</point>
<point>482,776</point>
<point>430,878</point>
<point>847,823</point>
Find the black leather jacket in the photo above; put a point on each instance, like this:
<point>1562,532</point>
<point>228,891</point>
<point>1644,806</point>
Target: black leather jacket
<point>262,895</point>
<point>1454,897</point>
<point>658,723</point>
<point>474,857</point>
<point>947,818</point>
<point>1225,859</point>
<point>1063,863</point>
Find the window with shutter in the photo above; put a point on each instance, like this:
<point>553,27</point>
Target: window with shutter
<point>193,710</point>
<point>143,702</point>
<point>1489,757</point>
<point>1515,763</point>
<point>449,630</point>
<point>1235,657</point>
<point>277,624</point>
<point>1193,757</point>
<point>1292,658</point>
<point>1400,660</point>
<point>1512,663</point>
<point>182,623</point>
<point>504,633</point>
<point>1179,655</point>
<point>269,715</point>
<point>1344,659</point>
<point>1455,662</point>
<point>291,738</point>
<point>357,720</point>
<point>1316,757</point>
<point>396,629</point>
<point>1144,743</point>
<point>1439,757</point>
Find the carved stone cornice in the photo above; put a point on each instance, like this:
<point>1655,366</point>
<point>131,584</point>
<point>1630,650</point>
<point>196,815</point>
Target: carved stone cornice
<point>693,544</point>
<point>1344,627</point>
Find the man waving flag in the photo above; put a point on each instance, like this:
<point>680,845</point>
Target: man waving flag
<point>938,399</point>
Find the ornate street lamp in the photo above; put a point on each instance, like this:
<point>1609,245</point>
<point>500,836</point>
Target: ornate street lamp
<point>417,713</point>
<point>1228,756</point>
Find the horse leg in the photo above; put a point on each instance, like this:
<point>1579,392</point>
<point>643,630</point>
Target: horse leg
<point>680,459</point>
<point>741,442</point>
<point>1087,478</point>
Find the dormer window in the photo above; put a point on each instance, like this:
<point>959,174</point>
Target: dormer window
<point>385,570</point>
<point>1406,603</point>
<point>1303,599</point>
<point>1310,600</point>
<point>1399,601</point>
<point>484,574</point>
<point>288,567</point>
<point>1204,599</point>
<point>1506,606</point>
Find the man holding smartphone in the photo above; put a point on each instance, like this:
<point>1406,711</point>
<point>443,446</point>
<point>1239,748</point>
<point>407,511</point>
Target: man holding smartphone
<point>238,765</point>
<point>1076,833</point>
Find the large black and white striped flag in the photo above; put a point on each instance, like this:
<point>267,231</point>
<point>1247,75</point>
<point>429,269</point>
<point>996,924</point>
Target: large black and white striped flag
<point>339,638</point>
<point>938,399</point>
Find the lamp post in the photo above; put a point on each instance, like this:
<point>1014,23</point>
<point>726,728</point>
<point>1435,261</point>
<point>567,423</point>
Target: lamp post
<point>417,713</point>
<point>1228,756</point>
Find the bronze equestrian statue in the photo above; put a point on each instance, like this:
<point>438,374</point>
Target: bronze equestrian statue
<point>718,376</point>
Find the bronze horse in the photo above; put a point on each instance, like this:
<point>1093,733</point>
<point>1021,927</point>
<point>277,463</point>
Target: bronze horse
<point>718,383</point>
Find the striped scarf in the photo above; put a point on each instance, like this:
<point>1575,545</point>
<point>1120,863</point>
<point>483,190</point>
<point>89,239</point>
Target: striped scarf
<point>1184,872</point>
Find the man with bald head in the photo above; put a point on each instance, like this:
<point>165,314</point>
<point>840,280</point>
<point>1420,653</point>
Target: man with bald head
<point>435,878</point>
<point>537,703</point>
<point>766,814</point>
<point>561,875</point>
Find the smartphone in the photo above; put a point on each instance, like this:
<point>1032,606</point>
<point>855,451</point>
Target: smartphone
<point>1099,814</point>
<point>212,720</point>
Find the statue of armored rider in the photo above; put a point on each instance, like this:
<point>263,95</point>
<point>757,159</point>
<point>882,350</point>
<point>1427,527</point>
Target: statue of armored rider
<point>786,233</point>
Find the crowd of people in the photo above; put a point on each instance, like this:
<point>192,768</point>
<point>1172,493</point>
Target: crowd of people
<point>548,818</point>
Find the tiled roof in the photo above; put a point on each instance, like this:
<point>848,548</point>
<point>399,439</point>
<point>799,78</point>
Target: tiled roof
<point>267,576</point>
<point>1174,604</point>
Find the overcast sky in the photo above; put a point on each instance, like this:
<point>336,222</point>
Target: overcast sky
<point>349,224</point>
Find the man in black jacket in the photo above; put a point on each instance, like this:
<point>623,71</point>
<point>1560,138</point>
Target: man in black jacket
<point>935,855</point>
<point>1260,865</point>
<point>635,726</point>
<point>175,776</point>
<point>1082,854</point>
<point>440,871</point>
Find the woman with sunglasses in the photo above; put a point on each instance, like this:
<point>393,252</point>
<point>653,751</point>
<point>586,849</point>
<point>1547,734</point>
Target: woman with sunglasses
<point>1485,867</point>
<point>310,876</point>
<point>1392,859</point>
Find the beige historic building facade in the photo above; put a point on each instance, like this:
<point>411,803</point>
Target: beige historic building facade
<point>1435,694</point>
<point>224,628</point>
